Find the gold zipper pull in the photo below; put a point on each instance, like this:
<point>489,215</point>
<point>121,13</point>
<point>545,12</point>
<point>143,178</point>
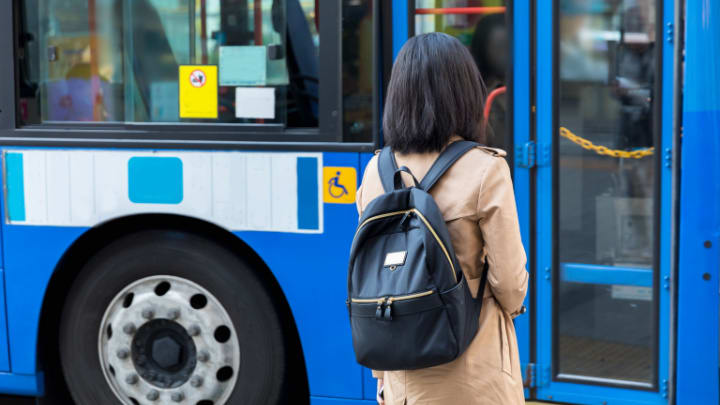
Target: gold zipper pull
<point>387,315</point>
<point>378,310</point>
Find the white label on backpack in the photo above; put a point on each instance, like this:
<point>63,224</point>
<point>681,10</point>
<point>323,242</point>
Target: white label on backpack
<point>395,258</point>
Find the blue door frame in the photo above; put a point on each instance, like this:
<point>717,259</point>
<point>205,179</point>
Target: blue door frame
<point>521,111</point>
<point>547,387</point>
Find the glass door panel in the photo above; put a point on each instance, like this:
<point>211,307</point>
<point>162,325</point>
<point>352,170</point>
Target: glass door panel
<point>606,183</point>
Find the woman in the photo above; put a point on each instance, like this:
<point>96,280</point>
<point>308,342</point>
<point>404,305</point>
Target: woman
<point>435,98</point>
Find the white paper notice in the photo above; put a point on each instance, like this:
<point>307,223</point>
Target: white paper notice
<point>628,292</point>
<point>255,102</point>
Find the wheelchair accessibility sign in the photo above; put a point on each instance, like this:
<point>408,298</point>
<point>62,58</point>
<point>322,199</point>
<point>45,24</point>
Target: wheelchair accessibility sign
<point>340,185</point>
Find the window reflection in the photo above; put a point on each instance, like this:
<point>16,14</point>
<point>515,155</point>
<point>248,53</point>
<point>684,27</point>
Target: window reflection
<point>482,28</point>
<point>357,70</point>
<point>606,204</point>
<point>117,60</point>
<point>490,47</point>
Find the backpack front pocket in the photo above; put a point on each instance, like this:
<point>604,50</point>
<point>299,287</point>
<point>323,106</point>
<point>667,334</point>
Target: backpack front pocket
<point>402,332</point>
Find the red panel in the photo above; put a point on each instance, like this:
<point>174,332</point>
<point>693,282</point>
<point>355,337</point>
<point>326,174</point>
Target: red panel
<point>460,10</point>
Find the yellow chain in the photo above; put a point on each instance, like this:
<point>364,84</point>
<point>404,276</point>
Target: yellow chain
<point>603,150</point>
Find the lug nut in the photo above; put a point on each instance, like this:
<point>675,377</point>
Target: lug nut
<point>177,396</point>
<point>152,395</point>
<point>194,330</point>
<point>129,328</point>
<point>148,313</point>
<point>203,356</point>
<point>196,381</point>
<point>132,379</point>
<point>123,354</point>
<point>173,314</point>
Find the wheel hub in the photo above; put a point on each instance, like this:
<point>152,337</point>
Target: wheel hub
<point>165,339</point>
<point>163,353</point>
<point>167,353</point>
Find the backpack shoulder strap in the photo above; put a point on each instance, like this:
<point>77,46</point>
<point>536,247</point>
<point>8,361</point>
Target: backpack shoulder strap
<point>446,159</point>
<point>387,166</point>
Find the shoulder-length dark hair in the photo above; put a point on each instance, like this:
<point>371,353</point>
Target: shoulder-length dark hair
<point>435,92</point>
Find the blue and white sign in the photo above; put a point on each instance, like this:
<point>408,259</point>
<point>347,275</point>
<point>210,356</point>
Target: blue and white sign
<point>236,190</point>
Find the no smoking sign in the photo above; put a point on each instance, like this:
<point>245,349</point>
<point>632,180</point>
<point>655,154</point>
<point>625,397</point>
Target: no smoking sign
<point>198,78</point>
<point>198,88</point>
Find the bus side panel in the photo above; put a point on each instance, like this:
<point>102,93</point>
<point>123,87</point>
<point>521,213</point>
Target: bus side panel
<point>312,272</point>
<point>4,350</point>
<point>310,266</point>
<point>699,247</point>
<point>31,255</point>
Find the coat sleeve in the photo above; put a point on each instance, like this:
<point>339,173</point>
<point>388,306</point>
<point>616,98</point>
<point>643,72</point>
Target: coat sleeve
<point>359,196</point>
<point>358,201</point>
<point>498,221</point>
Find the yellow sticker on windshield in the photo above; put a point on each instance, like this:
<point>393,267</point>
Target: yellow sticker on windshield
<point>198,91</point>
<point>340,185</point>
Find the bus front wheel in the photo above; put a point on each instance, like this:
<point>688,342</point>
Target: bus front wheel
<point>168,317</point>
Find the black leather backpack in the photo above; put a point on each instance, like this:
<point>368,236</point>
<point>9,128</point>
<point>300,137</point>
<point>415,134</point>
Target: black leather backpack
<point>410,306</point>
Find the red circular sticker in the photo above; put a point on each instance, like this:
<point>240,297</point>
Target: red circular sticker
<point>198,78</point>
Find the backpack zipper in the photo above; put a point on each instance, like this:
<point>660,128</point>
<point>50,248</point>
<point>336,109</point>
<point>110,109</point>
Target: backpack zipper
<point>427,224</point>
<point>380,216</point>
<point>387,301</point>
<point>392,298</point>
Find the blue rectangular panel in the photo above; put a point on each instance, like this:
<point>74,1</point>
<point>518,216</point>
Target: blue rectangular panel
<point>155,180</point>
<point>15,186</point>
<point>599,274</point>
<point>307,189</point>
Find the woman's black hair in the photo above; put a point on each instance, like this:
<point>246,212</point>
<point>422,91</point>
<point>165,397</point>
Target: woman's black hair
<point>479,44</point>
<point>435,92</point>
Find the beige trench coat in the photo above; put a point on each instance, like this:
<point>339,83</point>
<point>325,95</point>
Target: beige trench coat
<point>477,201</point>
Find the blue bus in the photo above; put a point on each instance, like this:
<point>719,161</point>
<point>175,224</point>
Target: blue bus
<point>179,176</point>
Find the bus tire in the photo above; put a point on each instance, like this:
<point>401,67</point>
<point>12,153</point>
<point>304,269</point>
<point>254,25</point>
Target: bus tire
<point>146,367</point>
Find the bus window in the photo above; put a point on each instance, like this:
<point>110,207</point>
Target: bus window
<point>357,70</point>
<point>481,26</point>
<point>118,60</point>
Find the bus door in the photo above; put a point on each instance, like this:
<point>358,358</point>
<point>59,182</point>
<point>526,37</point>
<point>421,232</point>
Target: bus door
<point>603,102</point>
<point>496,33</point>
